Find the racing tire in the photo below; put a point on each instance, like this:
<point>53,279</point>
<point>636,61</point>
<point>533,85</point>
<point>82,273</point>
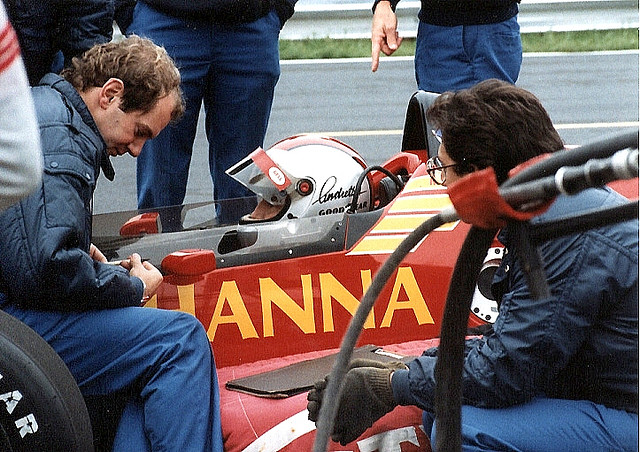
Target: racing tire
<point>41,407</point>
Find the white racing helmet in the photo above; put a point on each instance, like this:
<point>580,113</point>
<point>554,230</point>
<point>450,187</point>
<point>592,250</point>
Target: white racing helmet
<point>307,175</point>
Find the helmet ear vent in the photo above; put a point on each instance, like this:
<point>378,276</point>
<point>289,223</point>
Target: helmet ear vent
<point>304,187</point>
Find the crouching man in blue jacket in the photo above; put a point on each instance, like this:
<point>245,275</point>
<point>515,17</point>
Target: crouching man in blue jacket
<point>554,374</point>
<point>108,103</point>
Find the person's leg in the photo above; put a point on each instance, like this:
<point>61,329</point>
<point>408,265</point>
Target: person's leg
<point>239,94</point>
<point>545,424</point>
<point>130,435</point>
<point>495,50</point>
<point>441,61</point>
<point>454,58</point>
<point>164,357</point>
<point>163,165</point>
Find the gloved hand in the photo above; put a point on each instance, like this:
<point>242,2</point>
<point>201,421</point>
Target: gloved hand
<point>316,394</point>
<point>366,397</point>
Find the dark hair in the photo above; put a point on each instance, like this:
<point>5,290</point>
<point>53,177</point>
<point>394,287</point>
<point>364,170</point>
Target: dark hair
<point>493,123</point>
<point>147,71</point>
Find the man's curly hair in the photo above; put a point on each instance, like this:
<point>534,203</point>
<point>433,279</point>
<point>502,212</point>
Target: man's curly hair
<point>147,71</point>
<point>493,123</point>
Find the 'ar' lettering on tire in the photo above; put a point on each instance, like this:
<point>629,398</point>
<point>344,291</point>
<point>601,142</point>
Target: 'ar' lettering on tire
<point>26,424</point>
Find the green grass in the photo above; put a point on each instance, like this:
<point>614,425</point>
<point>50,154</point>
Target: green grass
<point>577,41</point>
<point>581,41</point>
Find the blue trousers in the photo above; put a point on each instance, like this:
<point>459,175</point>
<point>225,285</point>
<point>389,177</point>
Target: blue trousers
<point>547,425</point>
<point>162,357</point>
<point>454,58</point>
<point>230,69</point>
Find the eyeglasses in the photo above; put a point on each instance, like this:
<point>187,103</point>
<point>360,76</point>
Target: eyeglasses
<point>437,171</point>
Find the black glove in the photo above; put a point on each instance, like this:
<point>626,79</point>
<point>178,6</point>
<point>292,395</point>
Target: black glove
<point>366,397</point>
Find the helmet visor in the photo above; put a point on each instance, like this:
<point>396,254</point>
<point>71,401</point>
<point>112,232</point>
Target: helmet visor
<point>260,174</point>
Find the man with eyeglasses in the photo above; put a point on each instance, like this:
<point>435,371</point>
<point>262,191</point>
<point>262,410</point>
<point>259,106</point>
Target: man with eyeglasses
<point>559,373</point>
<point>437,169</point>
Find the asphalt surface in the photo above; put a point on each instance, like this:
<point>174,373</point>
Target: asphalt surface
<point>588,96</point>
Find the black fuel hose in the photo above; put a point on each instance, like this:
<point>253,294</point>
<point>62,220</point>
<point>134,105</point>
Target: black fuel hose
<point>448,370</point>
<point>591,172</point>
<point>585,221</point>
<point>594,172</point>
<point>329,406</point>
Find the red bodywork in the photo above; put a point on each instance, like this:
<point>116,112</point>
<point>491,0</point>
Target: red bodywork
<point>286,307</point>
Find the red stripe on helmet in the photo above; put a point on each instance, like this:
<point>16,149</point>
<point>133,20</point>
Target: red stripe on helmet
<point>270,169</point>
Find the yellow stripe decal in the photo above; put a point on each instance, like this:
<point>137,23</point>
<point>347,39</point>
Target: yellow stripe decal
<point>420,203</point>
<point>382,244</point>
<point>401,223</point>
<point>416,204</point>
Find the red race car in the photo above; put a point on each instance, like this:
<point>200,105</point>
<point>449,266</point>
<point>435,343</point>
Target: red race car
<point>277,295</point>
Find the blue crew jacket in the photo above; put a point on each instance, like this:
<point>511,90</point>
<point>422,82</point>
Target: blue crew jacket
<point>45,240</point>
<point>581,343</point>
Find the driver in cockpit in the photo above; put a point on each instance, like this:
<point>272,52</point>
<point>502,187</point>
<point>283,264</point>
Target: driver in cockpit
<point>301,177</point>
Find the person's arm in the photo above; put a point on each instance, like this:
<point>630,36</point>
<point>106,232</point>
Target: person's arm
<point>285,9</point>
<point>20,154</point>
<point>384,31</point>
<point>44,262</point>
<point>534,340</point>
<point>149,275</point>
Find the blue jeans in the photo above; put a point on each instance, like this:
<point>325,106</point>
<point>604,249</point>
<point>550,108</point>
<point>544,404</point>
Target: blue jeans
<point>545,425</point>
<point>233,71</point>
<point>161,357</point>
<point>454,58</point>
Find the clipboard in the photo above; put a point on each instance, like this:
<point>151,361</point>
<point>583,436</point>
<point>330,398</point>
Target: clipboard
<point>299,377</point>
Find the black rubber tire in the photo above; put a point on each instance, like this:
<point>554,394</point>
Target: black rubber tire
<point>41,407</point>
